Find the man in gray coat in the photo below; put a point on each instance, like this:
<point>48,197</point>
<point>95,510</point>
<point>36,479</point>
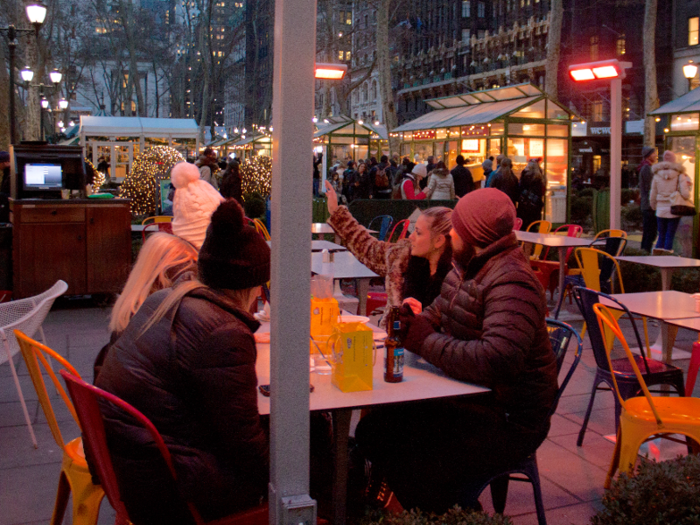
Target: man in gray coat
<point>487,327</point>
<point>649,157</point>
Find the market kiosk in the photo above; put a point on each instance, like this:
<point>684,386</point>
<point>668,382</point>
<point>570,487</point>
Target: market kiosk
<point>518,121</point>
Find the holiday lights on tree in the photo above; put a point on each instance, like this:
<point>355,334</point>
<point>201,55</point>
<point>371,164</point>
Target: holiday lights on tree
<point>98,178</point>
<point>142,184</point>
<point>256,175</point>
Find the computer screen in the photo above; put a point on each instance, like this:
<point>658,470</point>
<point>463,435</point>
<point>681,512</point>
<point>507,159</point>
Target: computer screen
<point>43,176</point>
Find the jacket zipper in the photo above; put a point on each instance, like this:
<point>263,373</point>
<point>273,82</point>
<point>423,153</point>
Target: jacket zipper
<point>459,287</point>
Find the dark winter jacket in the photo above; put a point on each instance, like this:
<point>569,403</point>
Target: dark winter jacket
<point>493,333</point>
<point>464,183</point>
<point>193,375</point>
<point>232,184</point>
<point>645,178</point>
<point>507,182</point>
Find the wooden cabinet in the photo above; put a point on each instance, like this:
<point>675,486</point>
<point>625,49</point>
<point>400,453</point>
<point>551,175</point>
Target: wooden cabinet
<point>85,243</point>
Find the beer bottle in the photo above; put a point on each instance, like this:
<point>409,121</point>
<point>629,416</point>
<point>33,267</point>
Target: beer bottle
<point>393,363</point>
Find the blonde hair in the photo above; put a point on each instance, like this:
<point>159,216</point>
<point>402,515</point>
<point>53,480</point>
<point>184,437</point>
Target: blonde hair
<point>241,298</point>
<point>162,259</point>
<point>440,220</point>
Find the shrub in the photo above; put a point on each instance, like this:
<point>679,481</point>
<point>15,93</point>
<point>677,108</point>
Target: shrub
<point>639,277</point>
<point>581,209</point>
<point>587,192</point>
<point>661,493</point>
<point>631,215</point>
<point>455,516</point>
<point>254,205</point>
<point>629,194</point>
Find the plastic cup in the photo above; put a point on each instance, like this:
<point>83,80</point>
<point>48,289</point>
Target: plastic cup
<point>322,366</point>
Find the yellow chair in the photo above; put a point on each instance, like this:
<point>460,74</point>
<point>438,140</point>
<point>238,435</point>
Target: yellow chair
<point>648,417</point>
<point>75,478</point>
<point>538,227</point>
<point>261,229</point>
<point>596,274</point>
<point>157,223</point>
<point>610,233</point>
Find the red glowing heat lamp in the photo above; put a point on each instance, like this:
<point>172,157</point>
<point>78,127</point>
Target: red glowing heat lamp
<point>330,71</point>
<point>604,69</point>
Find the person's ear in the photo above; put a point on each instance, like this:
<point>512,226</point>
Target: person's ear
<point>439,240</point>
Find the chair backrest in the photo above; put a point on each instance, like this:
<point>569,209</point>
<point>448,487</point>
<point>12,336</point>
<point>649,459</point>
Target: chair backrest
<point>517,224</point>
<point>403,230</point>
<point>606,318</point>
<point>560,335</point>
<point>384,222</point>
<point>586,299</point>
<point>569,230</point>
<point>33,353</point>
<point>85,397</point>
<point>539,227</point>
<point>598,268</point>
<point>261,229</point>
<point>157,219</point>
<point>25,315</point>
<point>610,233</point>
<point>614,246</point>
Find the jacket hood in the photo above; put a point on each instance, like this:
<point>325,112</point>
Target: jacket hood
<point>440,172</point>
<point>667,170</point>
<point>221,300</point>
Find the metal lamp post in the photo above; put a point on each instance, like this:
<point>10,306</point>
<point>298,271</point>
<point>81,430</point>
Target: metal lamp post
<point>36,13</point>
<point>55,76</point>
<point>614,71</point>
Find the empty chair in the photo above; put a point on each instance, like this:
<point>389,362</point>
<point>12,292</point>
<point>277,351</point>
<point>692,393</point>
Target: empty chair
<point>75,478</point>
<point>544,268</point>
<point>538,227</point>
<point>693,368</point>
<point>402,228</point>
<point>383,223</point>
<point>261,229</point>
<point>26,315</point>
<point>560,335</point>
<point>610,233</point>
<point>645,417</point>
<point>654,372</point>
<point>157,223</point>
<point>86,399</point>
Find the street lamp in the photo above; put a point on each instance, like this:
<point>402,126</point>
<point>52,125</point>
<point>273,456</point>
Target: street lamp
<point>689,72</point>
<point>27,74</point>
<point>56,76</point>
<point>36,14</point>
<point>614,71</point>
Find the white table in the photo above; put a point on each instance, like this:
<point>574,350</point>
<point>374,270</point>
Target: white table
<point>422,381</point>
<point>320,245</point>
<point>666,306</point>
<point>322,228</point>
<point>666,264</point>
<point>561,243</point>
<point>345,266</point>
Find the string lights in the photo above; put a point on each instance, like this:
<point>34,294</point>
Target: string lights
<point>256,175</point>
<point>98,178</point>
<point>142,183</point>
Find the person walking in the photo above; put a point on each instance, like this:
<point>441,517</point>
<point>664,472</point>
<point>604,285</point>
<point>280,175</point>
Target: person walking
<point>381,178</point>
<point>410,185</point>
<point>496,171</point>
<point>649,224</point>
<point>208,167</point>
<point>669,180</point>
<point>505,180</point>
<point>317,161</point>
<point>361,184</point>
<point>232,182</point>
<point>463,180</point>
<point>441,185</point>
<point>531,197</point>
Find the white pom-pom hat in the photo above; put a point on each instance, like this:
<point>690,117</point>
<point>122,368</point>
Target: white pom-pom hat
<point>195,200</point>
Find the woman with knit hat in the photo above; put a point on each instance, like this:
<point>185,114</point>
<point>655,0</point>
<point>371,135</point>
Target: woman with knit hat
<point>194,202</point>
<point>669,179</point>
<point>187,361</point>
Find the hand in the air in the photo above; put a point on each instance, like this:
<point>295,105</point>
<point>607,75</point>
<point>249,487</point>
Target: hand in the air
<point>331,198</point>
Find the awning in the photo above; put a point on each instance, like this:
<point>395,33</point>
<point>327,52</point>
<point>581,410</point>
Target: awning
<point>688,103</point>
<point>138,126</point>
<point>481,113</point>
<point>343,125</point>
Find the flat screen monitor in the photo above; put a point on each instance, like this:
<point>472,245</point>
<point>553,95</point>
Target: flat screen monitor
<point>43,176</point>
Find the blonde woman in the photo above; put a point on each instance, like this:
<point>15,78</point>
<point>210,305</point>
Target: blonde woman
<point>163,259</point>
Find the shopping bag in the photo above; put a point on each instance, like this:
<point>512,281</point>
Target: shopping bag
<point>353,351</point>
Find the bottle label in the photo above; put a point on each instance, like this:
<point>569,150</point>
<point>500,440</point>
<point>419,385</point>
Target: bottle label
<point>398,361</point>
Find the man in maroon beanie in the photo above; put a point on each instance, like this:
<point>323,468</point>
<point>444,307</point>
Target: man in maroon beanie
<point>487,327</point>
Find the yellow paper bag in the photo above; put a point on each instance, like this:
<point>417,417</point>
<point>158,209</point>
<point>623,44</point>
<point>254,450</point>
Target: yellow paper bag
<point>324,317</point>
<point>353,357</point>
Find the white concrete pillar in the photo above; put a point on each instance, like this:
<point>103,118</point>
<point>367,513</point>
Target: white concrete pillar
<point>292,108</point>
<point>615,151</point>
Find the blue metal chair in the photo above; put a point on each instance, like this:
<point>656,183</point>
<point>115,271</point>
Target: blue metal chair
<point>383,223</point>
<point>560,335</point>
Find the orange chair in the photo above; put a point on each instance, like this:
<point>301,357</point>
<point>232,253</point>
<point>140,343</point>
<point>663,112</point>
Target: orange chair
<point>403,230</point>
<point>544,268</point>
<point>693,368</point>
<point>261,229</point>
<point>75,478</point>
<point>157,223</point>
<point>647,417</point>
<point>539,227</point>
<point>610,233</point>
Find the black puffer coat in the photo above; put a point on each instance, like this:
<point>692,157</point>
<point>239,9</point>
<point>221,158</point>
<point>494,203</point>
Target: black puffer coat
<point>194,377</point>
<point>494,334</point>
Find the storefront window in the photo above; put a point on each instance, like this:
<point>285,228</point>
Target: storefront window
<point>686,122</point>
<point>424,150</point>
<point>684,148</point>
<point>556,161</point>
<point>452,152</point>
<point>535,110</point>
<point>557,130</point>
<point>439,151</point>
<point>494,148</point>
<point>526,129</point>
<point>405,149</point>
<point>496,128</point>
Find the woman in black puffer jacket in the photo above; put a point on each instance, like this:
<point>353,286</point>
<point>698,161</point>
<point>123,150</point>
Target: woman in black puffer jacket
<point>187,361</point>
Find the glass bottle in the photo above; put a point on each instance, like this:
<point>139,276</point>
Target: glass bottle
<point>393,362</point>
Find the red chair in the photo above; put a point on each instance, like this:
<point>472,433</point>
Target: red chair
<point>157,223</point>
<point>692,369</point>
<point>403,230</point>
<point>85,399</point>
<point>375,300</point>
<point>518,224</point>
<point>544,268</point>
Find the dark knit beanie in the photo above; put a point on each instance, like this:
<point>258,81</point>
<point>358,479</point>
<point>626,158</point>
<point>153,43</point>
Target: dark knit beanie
<point>234,256</point>
<point>483,216</point>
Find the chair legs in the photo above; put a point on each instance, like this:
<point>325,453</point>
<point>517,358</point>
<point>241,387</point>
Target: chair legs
<point>21,397</point>
<point>62,496</point>
<point>598,379</point>
<point>76,479</point>
<point>692,370</point>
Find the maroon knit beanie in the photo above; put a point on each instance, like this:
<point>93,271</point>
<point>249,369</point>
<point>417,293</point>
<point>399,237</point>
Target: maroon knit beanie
<point>483,216</point>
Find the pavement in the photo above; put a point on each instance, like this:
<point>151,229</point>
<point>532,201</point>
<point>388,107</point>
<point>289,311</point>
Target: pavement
<point>572,477</point>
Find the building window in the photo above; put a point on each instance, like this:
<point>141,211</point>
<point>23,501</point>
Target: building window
<point>594,48</point>
<point>620,45</point>
<point>348,18</point>
<point>341,55</point>
<point>597,111</point>
<point>347,55</point>
<point>466,8</point>
<point>466,35</point>
<point>693,31</point>
<point>481,10</point>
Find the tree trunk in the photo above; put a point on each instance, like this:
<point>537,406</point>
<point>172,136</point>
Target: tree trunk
<point>384,69</point>
<point>556,15</point>
<point>651,93</point>
<point>4,101</point>
<point>32,126</point>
